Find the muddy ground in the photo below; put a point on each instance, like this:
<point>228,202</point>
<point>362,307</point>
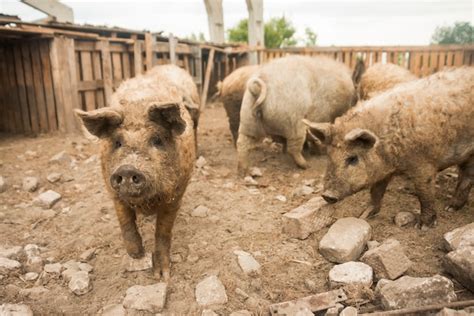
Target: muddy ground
<point>240,218</point>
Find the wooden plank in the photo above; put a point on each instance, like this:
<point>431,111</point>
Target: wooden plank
<point>441,60</point>
<point>70,90</point>
<point>458,58</point>
<point>449,59</point>
<point>417,64</point>
<point>149,50</point>
<point>55,49</point>
<point>3,101</point>
<point>7,114</point>
<point>126,65</point>
<point>117,67</point>
<point>48,85</point>
<point>38,86</point>
<point>434,55</point>
<point>137,58</point>
<point>86,64</point>
<point>99,93</point>
<point>207,78</point>
<point>80,94</point>
<point>90,85</point>
<point>172,46</point>
<point>107,70</point>
<point>426,64</point>
<point>20,83</point>
<point>13,92</point>
<point>30,89</point>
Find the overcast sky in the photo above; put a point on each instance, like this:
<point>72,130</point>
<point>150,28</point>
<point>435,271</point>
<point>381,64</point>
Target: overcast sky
<point>337,22</point>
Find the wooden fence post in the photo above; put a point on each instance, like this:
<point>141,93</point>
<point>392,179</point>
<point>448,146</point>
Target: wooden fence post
<point>207,78</point>
<point>172,43</point>
<point>137,57</point>
<point>197,75</point>
<point>107,69</point>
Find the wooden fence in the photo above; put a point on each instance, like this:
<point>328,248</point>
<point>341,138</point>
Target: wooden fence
<point>421,60</point>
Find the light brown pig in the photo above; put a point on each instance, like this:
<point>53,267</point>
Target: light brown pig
<point>415,130</point>
<point>230,92</point>
<point>148,153</point>
<point>285,91</point>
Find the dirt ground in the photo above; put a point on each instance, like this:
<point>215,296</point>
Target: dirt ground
<point>240,218</point>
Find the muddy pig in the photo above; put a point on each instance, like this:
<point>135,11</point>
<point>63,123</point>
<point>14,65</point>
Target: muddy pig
<point>230,92</point>
<point>415,130</point>
<point>147,154</point>
<point>285,91</point>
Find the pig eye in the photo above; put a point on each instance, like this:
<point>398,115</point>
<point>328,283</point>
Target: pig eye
<point>156,141</point>
<point>117,143</point>
<point>352,160</point>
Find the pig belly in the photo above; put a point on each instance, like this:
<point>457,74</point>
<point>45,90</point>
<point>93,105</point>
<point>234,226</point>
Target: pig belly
<point>457,154</point>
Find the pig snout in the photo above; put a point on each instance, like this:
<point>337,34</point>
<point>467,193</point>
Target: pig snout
<point>330,197</point>
<point>128,180</point>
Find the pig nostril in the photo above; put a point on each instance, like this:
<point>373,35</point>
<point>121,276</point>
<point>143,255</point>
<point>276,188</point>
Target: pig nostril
<point>135,179</point>
<point>119,179</point>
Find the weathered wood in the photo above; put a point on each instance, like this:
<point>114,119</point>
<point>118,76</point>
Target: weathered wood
<point>87,75</point>
<point>149,50</point>
<point>117,67</point>
<point>137,58</point>
<point>55,49</point>
<point>458,58</point>
<point>38,86</point>
<point>197,59</point>
<point>422,309</point>
<point>48,85</point>
<point>172,44</point>
<point>69,82</point>
<point>21,86</point>
<point>3,99</point>
<point>13,92</point>
<point>90,85</point>
<point>126,65</point>
<point>7,113</point>
<point>207,78</point>
<point>99,93</point>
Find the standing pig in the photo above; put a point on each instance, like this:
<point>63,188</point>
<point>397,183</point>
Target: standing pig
<point>415,130</point>
<point>285,91</point>
<point>148,153</point>
<point>230,92</point>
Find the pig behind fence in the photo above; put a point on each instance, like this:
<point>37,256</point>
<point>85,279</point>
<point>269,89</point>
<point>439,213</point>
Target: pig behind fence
<point>415,129</point>
<point>283,92</point>
<point>147,153</point>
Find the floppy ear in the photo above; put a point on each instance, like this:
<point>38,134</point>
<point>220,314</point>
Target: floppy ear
<point>167,115</point>
<point>100,122</point>
<point>361,137</point>
<point>320,132</point>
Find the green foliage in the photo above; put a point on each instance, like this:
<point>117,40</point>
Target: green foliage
<point>239,33</point>
<point>311,37</point>
<point>197,38</point>
<point>459,33</point>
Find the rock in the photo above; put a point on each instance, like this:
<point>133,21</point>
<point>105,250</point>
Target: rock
<point>30,276</point>
<point>8,265</point>
<point>310,285</point>
<point>80,283</point>
<point>303,190</point>
<point>141,264</point>
<point>201,162</point>
<point>404,219</point>
<point>113,310</point>
<point>208,312</point>
<point>242,312</point>
<point>34,293</point>
<point>281,198</point>
<point>414,292</point>
<point>349,311</point>
<point>241,293</point>
<point>460,237</point>
<point>334,311</point>
<point>307,218</point>
<point>371,244</point>
<point>85,267</point>
<point>176,258</point>
<point>452,312</point>
<point>247,263</point>
<point>11,252</point>
<point>350,273</point>
<point>150,298</point>
<point>250,181</point>
<point>3,185</point>
<point>388,260</point>
<point>48,199</point>
<point>15,310</point>
<point>345,240</point>
<point>30,184</point>
<point>255,172</point>
<point>88,254</point>
<point>53,177</point>
<point>210,291</point>
<point>60,158</point>
<point>32,250</point>
<point>200,211</point>
<point>460,264</point>
<point>254,191</point>
<point>34,264</point>
<point>380,284</point>
<point>54,268</point>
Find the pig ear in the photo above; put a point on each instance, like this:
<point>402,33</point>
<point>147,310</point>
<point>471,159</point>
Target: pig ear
<point>361,137</point>
<point>100,122</point>
<point>167,115</point>
<point>319,131</point>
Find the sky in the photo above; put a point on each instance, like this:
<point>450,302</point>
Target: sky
<point>337,22</point>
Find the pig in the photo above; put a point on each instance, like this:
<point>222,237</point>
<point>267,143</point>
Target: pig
<point>230,92</point>
<point>414,130</point>
<point>379,78</point>
<point>282,93</point>
<point>147,154</point>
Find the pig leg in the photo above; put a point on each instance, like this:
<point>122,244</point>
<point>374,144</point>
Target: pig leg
<point>295,147</point>
<point>465,181</point>
<point>131,237</point>
<point>424,181</point>
<point>161,256</point>
<point>377,192</point>
<point>244,145</point>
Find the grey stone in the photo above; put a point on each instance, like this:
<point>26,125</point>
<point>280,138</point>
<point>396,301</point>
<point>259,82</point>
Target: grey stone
<point>53,268</point>
<point>34,293</point>
<point>371,244</point>
<point>176,258</point>
<point>452,312</point>
<point>60,158</point>
<point>150,298</point>
<point>460,264</point>
<point>255,172</point>
<point>200,211</point>
<point>460,237</point>
<point>15,310</point>
<point>210,291</point>
<point>88,254</point>
<point>247,263</point>
<point>8,265</point>
<point>345,240</point>
<point>113,310</point>
<point>85,267</point>
<point>201,162</point>
<point>53,177</point>
<point>80,283</point>
<point>334,311</point>
<point>32,250</point>
<point>30,276</point>
<point>11,252</point>
<point>141,264</point>
<point>350,273</point>
<point>34,264</point>
<point>380,284</point>
<point>414,292</point>
<point>404,219</point>
<point>281,198</point>
<point>250,181</point>
<point>48,199</point>
<point>303,190</point>
<point>388,260</point>
<point>30,184</point>
<point>349,311</point>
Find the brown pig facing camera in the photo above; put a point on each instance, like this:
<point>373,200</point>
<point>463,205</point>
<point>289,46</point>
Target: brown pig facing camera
<point>147,153</point>
<point>415,129</point>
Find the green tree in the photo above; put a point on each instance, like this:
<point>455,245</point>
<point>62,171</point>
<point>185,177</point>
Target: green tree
<point>311,37</point>
<point>279,32</point>
<point>459,33</point>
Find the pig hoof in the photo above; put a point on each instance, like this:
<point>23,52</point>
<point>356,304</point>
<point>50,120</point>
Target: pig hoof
<point>136,253</point>
<point>369,213</point>
<point>302,164</point>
